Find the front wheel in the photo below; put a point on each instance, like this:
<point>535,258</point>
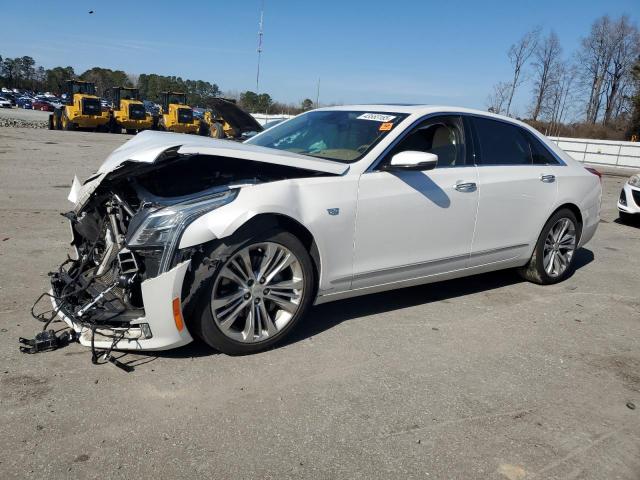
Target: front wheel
<point>256,295</point>
<point>553,256</point>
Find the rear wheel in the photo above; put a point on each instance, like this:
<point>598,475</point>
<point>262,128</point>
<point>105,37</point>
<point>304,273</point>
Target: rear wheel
<point>256,295</point>
<point>553,257</point>
<point>131,131</point>
<point>51,122</point>
<point>66,123</point>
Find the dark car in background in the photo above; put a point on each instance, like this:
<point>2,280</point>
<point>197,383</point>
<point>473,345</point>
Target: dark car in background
<point>24,102</point>
<point>42,105</point>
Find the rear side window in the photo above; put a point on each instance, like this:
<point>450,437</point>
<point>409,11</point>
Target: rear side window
<point>501,143</point>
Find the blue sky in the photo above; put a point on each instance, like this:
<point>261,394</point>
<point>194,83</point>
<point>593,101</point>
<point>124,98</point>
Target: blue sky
<point>445,52</point>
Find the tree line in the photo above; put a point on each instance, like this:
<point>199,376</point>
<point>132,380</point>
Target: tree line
<point>593,92</point>
<point>23,73</point>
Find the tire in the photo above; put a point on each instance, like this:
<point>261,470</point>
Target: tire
<point>51,124</point>
<point>565,248</point>
<point>131,131</point>
<point>625,217</point>
<point>66,123</point>
<point>206,320</point>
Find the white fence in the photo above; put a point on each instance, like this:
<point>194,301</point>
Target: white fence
<point>604,152</point>
<point>263,118</point>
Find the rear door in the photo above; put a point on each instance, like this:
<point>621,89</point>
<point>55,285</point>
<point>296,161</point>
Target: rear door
<point>517,189</point>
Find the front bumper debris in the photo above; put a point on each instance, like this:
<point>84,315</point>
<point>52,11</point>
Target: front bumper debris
<point>156,329</point>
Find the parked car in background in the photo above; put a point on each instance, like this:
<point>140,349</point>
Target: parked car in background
<point>24,102</point>
<point>233,242</point>
<point>629,201</point>
<point>42,105</point>
<point>10,97</point>
<point>4,103</point>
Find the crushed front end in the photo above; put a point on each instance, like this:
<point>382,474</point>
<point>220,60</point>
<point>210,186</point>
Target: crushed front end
<point>115,297</point>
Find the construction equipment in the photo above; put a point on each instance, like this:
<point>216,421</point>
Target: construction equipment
<point>226,120</point>
<point>81,109</point>
<point>176,115</point>
<point>128,111</point>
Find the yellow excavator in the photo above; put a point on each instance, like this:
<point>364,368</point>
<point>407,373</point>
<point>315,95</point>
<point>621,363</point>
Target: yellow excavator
<point>176,115</point>
<point>128,111</point>
<point>226,120</point>
<point>81,109</point>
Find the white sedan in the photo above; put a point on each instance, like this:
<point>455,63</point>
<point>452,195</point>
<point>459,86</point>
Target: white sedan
<point>629,200</point>
<point>179,236</point>
<point>4,103</point>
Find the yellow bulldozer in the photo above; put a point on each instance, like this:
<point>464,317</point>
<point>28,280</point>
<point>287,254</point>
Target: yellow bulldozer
<point>128,111</point>
<point>176,115</point>
<point>226,120</point>
<point>81,109</point>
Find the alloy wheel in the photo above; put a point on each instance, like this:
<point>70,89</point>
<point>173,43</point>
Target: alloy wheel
<point>559,247</point>
<point>257,292</point>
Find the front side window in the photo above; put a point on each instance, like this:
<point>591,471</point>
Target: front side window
<point>442,136</point>
<point>501,143</point>
<point>344,136</point>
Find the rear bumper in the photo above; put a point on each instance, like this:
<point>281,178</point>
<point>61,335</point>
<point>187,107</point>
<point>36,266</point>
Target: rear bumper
<point>629,200</point>
<point>157,295</point>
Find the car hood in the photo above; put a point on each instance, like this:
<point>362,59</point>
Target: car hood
<point>148,147</point>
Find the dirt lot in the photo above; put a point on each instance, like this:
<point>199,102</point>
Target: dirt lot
<point>485,377</point>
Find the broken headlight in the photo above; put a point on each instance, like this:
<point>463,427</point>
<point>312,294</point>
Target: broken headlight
<point>162,228</point>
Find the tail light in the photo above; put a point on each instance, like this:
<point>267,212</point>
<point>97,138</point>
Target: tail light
<point>595,172</point>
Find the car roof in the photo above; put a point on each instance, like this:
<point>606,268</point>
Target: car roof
<point>419,110</point>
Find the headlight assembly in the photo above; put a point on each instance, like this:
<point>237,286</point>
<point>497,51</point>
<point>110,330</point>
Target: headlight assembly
<point>162,229</point>
<point>634,181</point>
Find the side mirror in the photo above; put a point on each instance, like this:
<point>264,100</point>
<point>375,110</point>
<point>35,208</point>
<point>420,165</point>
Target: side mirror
<point>413,160</point>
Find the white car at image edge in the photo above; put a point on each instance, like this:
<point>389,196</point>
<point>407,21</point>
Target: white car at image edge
<point>180,236</point>
<point>4,103</point>
<point>629,200</point>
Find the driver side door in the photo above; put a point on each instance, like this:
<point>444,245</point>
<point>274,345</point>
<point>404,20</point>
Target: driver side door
<point>414,224</point>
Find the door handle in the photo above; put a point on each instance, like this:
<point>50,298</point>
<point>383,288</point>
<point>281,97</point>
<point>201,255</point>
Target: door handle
<point>466,187</point>
<point>547,178</point>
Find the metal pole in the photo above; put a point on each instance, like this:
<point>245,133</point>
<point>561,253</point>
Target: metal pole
<point>318,94</point>
<point>260,34</point>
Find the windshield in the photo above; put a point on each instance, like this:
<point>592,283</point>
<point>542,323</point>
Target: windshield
<point>345,136</point>
<point>85,88</point>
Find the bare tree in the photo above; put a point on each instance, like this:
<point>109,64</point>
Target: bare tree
<point>497,100</point>
<point>546,64</point>
<point>519,54</point>
<point>625,46</point>
<point>561,97</point>
<point>594,58</point>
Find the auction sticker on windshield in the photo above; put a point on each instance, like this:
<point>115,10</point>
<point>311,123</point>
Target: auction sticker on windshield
<point>376,117</point>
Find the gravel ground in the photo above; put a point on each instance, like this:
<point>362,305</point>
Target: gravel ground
<point>484,377</point>
<point>21,118</point>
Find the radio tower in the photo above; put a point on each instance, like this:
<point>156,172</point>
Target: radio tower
<point>260,34</point>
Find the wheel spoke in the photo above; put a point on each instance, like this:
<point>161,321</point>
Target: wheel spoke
<point>283,303</point>
<point>548,262</point>
<point>266,322</point>
<point>269,252</point>
<point>249,326</point>
<point>231,318</point>
<point>220,302</point>
<point>244,259</point>
<point>282,264</point>
<point>228,273</point>
<point>293,284</point>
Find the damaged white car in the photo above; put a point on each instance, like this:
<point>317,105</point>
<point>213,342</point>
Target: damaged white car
<point>179,236</point>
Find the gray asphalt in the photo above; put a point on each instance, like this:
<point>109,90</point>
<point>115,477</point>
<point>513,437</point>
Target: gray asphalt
<point>484,377</point>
